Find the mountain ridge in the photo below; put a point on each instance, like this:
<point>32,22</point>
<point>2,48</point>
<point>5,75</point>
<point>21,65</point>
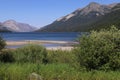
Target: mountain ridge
<point>14,26</point>
<point>80,19</point>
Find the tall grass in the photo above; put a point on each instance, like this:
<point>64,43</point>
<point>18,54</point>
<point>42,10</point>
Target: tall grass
<point>48,72</point>
<point>94,59</point>
<point>17,71</point>
<point>30,53</point>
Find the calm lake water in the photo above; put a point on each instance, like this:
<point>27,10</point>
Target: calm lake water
<point>59,36</point>
<point>56,36</point>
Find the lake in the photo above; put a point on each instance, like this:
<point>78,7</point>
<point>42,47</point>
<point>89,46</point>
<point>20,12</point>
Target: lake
<point>52,36</point>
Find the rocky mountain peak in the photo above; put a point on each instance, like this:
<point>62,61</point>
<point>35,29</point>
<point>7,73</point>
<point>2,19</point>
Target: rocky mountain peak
<point>14,26</point>
<point>112,5</point>
<point>9,21</point>
<point>67,17</point>
<point>85,18</point>
<point>93,5</point>
<point>92,9</point>
<point>11,25</point>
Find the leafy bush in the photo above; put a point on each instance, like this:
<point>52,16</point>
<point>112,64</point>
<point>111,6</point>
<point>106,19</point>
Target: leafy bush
<point>100,50</point>
<point>2,43</point>
<point>60,56</point>
<point>31,53</point>
<point>6,56</point>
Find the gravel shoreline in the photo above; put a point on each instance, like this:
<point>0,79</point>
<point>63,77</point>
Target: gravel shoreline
<point>68,45</point>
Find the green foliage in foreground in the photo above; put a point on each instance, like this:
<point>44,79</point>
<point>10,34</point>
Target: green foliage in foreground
<point>31,53</point>
<point>100,50</point>
<point>99,53</point>
<point>6,56</point>
<point>3,54</point>
<point>52,72</point>
<point>2,43</point>
<point>59,56</point>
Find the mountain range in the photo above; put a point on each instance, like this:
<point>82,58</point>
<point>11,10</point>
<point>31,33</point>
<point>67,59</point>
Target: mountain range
<point>13,26</point>
<point>93,16</point>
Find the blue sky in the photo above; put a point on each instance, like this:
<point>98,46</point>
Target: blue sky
<point>41,12</point>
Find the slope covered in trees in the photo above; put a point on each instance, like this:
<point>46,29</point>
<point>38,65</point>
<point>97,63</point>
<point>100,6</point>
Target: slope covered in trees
<point>112,18</point>
<point>93,16</point>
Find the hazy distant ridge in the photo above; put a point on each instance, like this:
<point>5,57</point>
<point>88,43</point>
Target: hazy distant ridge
<point>12,25</point>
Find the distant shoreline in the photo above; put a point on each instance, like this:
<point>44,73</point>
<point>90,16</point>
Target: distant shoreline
<point>68,45</point>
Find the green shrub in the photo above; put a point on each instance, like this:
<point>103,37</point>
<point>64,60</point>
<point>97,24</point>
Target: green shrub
<point>6,56</point>
<point>2,43</point>
<point>31,53</point>
<point>100,50</point>
<point>60,56</point>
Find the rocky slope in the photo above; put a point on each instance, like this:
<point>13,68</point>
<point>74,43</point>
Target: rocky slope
<point>14,26</point>
<point>109,19</point>
<point>80,19</point>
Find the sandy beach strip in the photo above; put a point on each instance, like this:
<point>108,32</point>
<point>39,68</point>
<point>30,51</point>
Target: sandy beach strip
<point>67,44</point>
<point>68,48</point>
<point>13,43</point>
